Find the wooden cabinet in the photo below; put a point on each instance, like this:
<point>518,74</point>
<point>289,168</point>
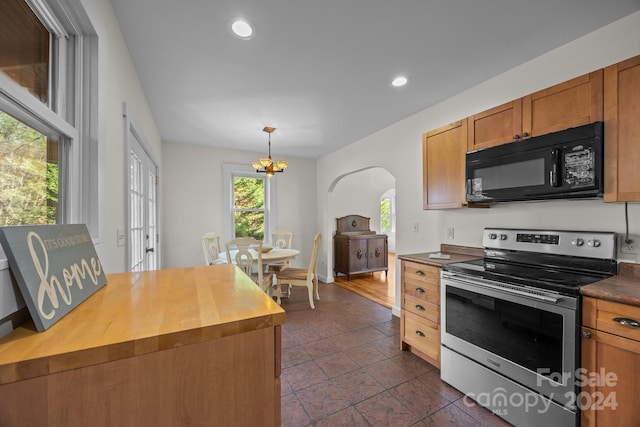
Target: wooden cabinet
<point>443,166</point>
<point>357,249</point>
<point>622,131</point>
<point>496,126</point>
<point>576,102</point>
<point>420,312</point>
<point>611,360</point>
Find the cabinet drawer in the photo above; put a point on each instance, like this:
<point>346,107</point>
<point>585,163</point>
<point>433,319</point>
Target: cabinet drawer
<point>612,316</point>
<point>420,272</point>
<point>422,334</point>
<point>428,310</point>
<point>425,291</point>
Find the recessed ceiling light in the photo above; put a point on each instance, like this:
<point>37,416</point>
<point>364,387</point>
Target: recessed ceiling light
<point>399,81</point>
<point>242,28</point>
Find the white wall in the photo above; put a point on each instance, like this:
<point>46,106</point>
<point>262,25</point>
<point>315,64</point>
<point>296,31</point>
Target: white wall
<point>359,193</point>
<point>193,200</point>
<point>118,83</point>
<point>603,47</point>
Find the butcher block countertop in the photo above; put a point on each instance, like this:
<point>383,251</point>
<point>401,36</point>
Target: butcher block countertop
<point>139,313</point>
<point>623,288</point>
<point>457,254</point>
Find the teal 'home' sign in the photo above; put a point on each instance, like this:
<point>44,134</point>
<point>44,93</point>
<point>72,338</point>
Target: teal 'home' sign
<point>56,267</point>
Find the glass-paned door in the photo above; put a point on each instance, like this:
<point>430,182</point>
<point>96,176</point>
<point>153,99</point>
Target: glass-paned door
<point>143,206</point>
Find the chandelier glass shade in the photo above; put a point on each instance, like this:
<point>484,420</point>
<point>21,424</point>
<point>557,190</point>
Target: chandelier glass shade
<point>265,164</point>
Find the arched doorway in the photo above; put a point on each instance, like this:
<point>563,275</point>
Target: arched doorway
<point>361,192</point>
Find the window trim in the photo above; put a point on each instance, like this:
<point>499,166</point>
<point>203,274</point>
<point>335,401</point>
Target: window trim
<point>72,113</point>
<point>231,170</point>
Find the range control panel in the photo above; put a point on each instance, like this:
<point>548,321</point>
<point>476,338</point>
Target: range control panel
<point>591,244</point>
<point>551,239</point>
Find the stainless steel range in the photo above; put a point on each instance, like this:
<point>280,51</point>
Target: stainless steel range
<point>510,321</point>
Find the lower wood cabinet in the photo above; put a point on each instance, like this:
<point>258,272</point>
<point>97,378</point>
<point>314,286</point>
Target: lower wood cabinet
<point>611,363</point>
<point>364,253</point>
<point>420,313</point>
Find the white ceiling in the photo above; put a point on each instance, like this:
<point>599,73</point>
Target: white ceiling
<point>320,70</point>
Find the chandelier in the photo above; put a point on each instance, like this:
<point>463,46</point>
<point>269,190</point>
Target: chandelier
<point>266,165</point>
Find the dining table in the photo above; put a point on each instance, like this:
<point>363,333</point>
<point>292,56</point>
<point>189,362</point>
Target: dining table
<point>273,256</point>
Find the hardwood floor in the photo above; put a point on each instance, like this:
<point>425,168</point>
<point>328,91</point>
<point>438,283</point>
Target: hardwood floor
<point>378,286</point>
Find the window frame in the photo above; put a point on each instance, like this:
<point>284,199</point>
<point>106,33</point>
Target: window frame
<point>71,112</point>
<point>231,170</point>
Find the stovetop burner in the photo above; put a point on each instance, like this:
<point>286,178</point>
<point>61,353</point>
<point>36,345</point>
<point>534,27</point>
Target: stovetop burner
<point>560,261</point>
<point>561,281</point>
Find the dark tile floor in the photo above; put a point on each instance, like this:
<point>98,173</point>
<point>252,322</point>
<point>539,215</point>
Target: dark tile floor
<point>342,366</point>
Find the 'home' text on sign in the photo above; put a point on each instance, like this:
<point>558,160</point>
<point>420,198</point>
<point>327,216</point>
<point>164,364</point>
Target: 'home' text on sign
<point>56,267</point>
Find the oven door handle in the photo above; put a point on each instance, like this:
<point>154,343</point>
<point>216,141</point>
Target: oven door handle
<point>499,287</point>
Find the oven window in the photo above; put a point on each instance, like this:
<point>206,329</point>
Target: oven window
<point>527,173</point>
<point>525,335</point>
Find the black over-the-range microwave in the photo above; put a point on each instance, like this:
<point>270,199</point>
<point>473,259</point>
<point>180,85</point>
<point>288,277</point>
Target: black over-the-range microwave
<point>559,165</point>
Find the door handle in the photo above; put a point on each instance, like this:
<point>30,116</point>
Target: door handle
<point>149,250</point>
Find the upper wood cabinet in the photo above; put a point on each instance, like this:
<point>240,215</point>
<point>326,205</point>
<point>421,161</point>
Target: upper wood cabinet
<point>622,131</point>
<point>569,104</point>
<point>443,166</point>
<point>496,126</point>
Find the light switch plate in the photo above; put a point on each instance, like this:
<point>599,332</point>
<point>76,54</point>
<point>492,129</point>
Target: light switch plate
<point>120,236</point>
<point>450,233</point>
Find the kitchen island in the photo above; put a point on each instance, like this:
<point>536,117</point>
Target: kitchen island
<point>188,346</point>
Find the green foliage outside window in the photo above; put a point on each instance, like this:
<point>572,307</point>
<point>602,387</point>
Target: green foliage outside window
<point>248,204</point>
<point>28,183</point>
<point>385,214</point>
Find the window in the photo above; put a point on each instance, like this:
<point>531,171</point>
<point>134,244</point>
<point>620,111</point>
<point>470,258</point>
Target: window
<point>48,144</point>
<point>388,212</point>
<point>248,206</point>
<point>28,174</point>
<point>250,198</point>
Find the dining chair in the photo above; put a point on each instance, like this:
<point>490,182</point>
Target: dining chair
<point>249,261</point>
<point>280,239</point>
<point>211,248</point>
<point>302,276</point>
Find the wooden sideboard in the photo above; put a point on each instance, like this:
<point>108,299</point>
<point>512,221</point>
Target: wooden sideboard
<point>357,249</point>
<point>188,346</point>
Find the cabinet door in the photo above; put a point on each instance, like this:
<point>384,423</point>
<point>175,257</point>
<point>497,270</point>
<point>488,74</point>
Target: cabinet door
<point>357,255</point>
<point>443,166</point>
<point>377,252</point>
<point>566,105</point>
<point>622,131</point>
<point>611,364</point>
<point>499,125</point>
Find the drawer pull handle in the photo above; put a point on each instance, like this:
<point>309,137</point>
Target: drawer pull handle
<point>420,334</point>
<point>627,322</point>
<point>420,272</point>
<point>420,290</point>
<point>419,307</point>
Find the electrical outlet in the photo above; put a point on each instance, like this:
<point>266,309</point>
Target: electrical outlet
<point>450,233</point>
<point>632,247</point>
